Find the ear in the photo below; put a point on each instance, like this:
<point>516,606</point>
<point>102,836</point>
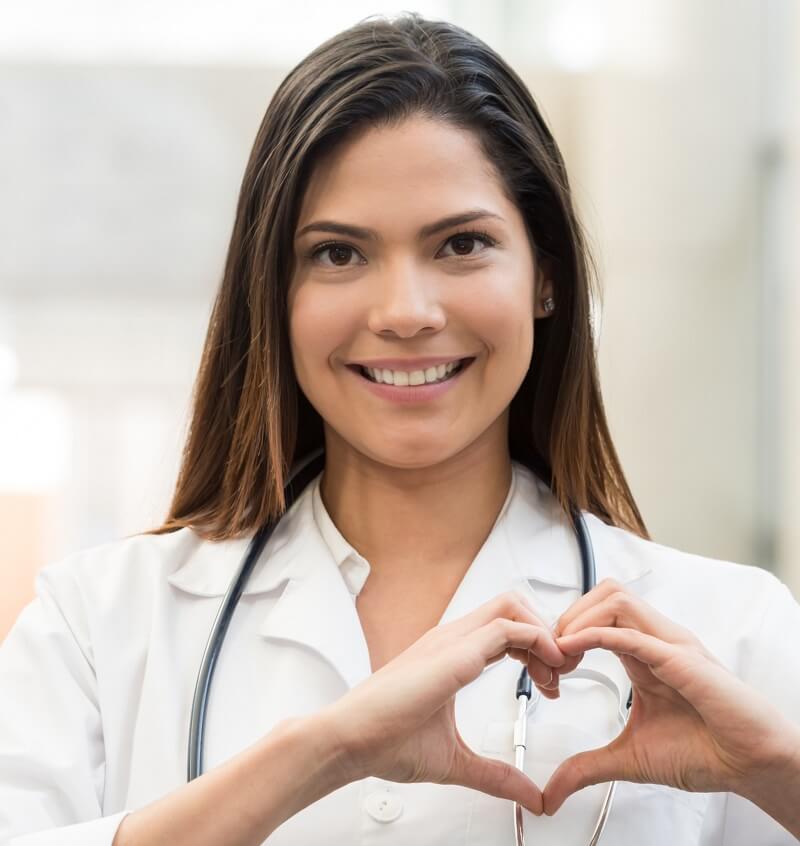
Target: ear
<point>544,293</point>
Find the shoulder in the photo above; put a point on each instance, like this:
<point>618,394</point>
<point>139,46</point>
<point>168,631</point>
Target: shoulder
<point>671,576</point>
<point>728,605</point>
<point>100,577</point>
<point>668,564</point>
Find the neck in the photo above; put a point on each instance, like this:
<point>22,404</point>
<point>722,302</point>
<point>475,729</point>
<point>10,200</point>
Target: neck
<point>410,521</point>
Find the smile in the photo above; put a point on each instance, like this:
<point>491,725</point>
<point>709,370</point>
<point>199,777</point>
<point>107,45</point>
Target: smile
<point>413,386</point>
<point>405,378</point>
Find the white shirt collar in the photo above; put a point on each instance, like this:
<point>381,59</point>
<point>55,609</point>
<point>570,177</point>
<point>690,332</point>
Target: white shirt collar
<point>531,529</point>
<point>354,567</point>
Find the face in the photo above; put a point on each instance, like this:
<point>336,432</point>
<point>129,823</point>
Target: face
<point>382,278</point>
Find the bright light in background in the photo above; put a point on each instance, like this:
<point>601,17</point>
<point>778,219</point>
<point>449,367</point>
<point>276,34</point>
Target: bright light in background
<point>9,369</point>
<point>35,442</point>
<point>183,31</point>
<point>577,34</point>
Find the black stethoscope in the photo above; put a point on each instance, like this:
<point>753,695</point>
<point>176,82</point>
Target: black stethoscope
<point>304,472</point>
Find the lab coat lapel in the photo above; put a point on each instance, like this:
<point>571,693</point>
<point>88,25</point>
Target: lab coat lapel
<point>544,547</point>
<point>531,550</point>
<point>316,608</point>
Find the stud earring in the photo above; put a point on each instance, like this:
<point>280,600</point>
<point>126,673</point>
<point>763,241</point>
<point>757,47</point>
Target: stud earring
<point>549,304</point>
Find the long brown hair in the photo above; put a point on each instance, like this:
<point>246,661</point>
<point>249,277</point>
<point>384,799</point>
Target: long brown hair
<point>250,422</point>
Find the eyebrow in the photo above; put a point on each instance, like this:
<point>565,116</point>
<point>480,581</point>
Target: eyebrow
<point>370,234</point>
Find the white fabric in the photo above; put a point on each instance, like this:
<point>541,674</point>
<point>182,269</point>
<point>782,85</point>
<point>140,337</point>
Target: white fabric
<point>97,676</point>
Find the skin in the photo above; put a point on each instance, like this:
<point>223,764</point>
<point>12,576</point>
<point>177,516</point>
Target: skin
<point>414,487</point>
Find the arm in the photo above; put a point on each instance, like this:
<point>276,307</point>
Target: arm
<point>244,800</point>
<point>52,753</point>
<point>398,724</point>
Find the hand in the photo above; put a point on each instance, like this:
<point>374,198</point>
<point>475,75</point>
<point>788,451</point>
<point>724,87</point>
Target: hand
<point>399,724</point>
<point>693,725</point>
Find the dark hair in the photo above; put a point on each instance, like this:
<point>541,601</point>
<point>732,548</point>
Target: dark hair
<point>250,422</point>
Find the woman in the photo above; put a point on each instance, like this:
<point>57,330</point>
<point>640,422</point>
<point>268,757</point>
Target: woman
<point>405,218</point>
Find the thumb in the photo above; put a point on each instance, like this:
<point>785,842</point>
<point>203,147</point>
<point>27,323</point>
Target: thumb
<point>498,778</point>
<point>593,767</point>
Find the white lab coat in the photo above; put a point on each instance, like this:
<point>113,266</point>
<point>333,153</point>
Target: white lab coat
<point>97,676</point>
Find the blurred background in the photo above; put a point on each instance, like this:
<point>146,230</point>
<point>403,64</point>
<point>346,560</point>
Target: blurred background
<point>124,131</point>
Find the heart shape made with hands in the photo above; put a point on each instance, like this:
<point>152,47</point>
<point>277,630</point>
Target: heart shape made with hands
<point>690,724</point>
<point>587,718</point>
<point>592,715</point>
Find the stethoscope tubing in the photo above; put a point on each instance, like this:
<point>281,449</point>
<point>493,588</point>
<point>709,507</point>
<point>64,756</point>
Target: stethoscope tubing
<point>306,470</point>
<point>588,581</point>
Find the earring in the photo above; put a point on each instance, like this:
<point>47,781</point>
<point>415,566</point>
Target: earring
<point>549,304</point>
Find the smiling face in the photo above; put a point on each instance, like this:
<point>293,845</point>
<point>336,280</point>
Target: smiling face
<point>407,286</point>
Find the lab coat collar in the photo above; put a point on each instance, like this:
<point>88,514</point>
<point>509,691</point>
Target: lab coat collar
<point>315,607</point>
<point>532,544</point>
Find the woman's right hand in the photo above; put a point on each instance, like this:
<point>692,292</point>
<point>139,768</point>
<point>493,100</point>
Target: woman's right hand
<point>399,724</point>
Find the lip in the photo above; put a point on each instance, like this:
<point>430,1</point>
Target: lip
<point>408,364</point>
<point>411,393</point>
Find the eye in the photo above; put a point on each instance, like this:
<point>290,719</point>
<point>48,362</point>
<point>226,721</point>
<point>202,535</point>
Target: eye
<point>339,253</point>
<point>460,239</point>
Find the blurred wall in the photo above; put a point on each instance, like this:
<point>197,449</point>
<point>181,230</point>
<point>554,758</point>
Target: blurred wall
<point>789,532</point>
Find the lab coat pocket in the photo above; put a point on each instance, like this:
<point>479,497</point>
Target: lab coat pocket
<point>548,744</point>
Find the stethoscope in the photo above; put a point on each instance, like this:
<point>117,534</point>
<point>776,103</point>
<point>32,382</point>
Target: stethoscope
<point>303,473</point>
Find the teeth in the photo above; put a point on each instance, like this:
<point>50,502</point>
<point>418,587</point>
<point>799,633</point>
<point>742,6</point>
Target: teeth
<point>414,377</point>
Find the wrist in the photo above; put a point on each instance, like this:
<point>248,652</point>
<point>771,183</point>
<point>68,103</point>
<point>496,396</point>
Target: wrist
<point>315,734</point>
<point>320,733</point>
<point>776,788</point>
<point>335,724</point>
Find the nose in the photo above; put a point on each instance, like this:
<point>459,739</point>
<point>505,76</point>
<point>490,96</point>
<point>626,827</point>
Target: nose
<point>406,301</point>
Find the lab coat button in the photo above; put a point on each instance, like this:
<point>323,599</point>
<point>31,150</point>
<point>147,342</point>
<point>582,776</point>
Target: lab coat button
<point>383,805</point>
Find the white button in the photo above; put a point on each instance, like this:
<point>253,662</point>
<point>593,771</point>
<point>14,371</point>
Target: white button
<point>383,805</point>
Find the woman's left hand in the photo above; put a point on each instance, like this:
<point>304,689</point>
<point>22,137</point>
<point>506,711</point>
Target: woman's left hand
<point>692,725</point>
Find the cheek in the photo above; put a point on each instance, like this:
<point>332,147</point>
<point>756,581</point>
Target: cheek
<point>317,328</point>
<point>506,318</point>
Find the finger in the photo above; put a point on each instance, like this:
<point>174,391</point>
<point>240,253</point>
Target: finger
<point>501,779</point>
<point>644,647</point>
<point>597,594</point>
<point>512,605</point>
<point>546,679</point>
<point>501,634</point>
<point>593,767</point>
<point>624,610</point>
<point>541,673</point>
<point>689,676</point>
<point>570,663</point>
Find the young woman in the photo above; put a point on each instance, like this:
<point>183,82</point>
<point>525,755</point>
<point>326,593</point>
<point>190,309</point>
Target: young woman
<point>407,287</point>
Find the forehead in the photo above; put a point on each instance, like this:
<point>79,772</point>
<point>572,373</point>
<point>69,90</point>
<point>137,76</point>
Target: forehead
<point>417,170</point>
